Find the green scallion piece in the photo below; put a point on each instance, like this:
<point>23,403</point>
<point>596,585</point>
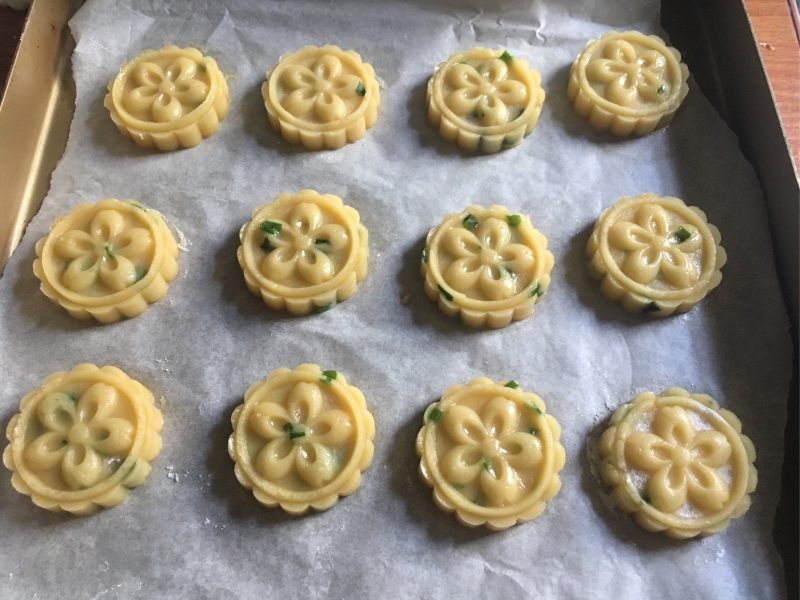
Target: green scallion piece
<point>662,89</point>
<point>424,255</point>
<point>536,291</point>
<point>533,431</point>
<point>506,57</point>
<point>271,227</point>
<point>535,409</point>
<point>435,415</point>
<point>360,89</point>
<point>72,396</point>
<point>487,463</point>
<point>470,222</point>
<point>328,376</point>
<point>445,293</point>
<point>137,205</point>
<point>140,271</point>
<point>514,220</point>
<point>682,234</point>
<point>296,434</point>
<point>319,242</point>
<point>287,427</point>
<point>651,307</point>
<point>323,307</point>
<point>109,251</point>
<point>512,384</point>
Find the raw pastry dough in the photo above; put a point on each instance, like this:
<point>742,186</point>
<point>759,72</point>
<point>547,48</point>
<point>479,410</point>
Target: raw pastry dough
<point>486,264</point>
<point>322,97</point>
<point>656,255</point>
<point>303,252</point>
<point>82,439</point>
<point>168,99</point>
<point>301,439</point>
<point>491,453</point>
<point>484,100</point>
<point>107,260</point>
<point>628,83</point>
<point>679,463</point>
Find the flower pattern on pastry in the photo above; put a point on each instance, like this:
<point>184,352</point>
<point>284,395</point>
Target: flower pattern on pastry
<point>484,100</point>
<point>106,260</point>
<point>491,453</point>
<point>655,254</point>
<point>303,252</point>
<point>678,462</point>
<point>169,98</point>
<point>82,439</point>
<point>486,264</point>
<point>301,439</point>
<point>322,97</point>
<point>628,83</point>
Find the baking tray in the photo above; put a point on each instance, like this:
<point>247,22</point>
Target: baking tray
<point>39,101</point>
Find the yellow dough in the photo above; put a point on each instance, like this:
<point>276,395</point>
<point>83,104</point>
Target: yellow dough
<point>487,264</point>
<point>484,100</point>
<point>303,252</point>
<point>655,254</point>
<point>491,453</point>
<point>107,260</point>
<point>628,83</point>
<point>679,463</point>
<point>82,439</point>
<point>322,97</point>
<point>301,439</point>
<point>168,99</point>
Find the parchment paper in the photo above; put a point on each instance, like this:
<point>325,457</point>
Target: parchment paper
<point>191,531</point>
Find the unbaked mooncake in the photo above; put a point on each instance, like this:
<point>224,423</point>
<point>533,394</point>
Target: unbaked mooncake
<point>169,98</point>
<point>486,264</point>
<point>82,439</point>
<point>107,260</point>
<point>491,453</point>
<point>628,83</point>
<point>655,254</point>
<point>678,463</point>
<point>484,100</point>
<point>321,97</point>
<point>303,252</point>
<point>301,439</point>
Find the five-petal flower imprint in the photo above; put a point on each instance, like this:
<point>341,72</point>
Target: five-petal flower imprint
<point>303,246</point>
<point>165,93</point>
<point>680,462</point>
<point>322,90</point>
<point>653,249</point>
<point>108,251</point>
<point>490,451</point>
<point>486,258</point>
<point>302,437</point>
<point>485,92</point>
<point>81,436</point>
<point>629,76</point>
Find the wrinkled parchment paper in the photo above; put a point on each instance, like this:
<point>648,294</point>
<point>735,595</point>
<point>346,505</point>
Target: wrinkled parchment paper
<point>191,531</point>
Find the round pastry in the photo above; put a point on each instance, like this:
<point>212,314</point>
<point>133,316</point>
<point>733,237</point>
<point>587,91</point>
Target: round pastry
<point>491,453</point>
<point>168,99</point>
<point>628,82</point>
<point>484,100</point>
<point>82,439</point>
<point>655,255</point>
<point>678,462</point>
<point>301,439</point>
<point>303,252</point>
<point>322,97</point>
<point>486,264</point>
<point>107,260</point>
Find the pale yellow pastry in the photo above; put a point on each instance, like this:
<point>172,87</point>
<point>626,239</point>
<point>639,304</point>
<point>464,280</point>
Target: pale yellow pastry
<point>82,439</point>
<point>678,462</point>
<point>301,439</point>
<point>322,97</point>
<point>487,264</point>
<point>484,100</point>
<point>168,99</point>
<point>628,82</point>
<point>107,260</point>
<point>655,254</point>
<point>303,252</point>
<point>491,453</point>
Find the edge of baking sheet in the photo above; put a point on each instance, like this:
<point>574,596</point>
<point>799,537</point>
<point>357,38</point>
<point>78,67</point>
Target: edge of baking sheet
<point>717,41</point>
<point>35,114</point>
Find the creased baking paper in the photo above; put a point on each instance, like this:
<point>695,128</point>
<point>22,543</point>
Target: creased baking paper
<point>191,531</point>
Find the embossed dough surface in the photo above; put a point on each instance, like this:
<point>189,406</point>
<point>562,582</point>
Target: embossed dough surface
<point>191,530</point>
